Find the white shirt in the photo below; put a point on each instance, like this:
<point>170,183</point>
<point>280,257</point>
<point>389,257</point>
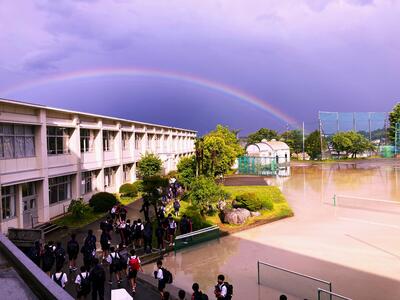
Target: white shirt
<point>223,289</point>
<point>78,278</point>
<point>160,275</point>
<point>109,257</point>
<point>172,225</point>
<point>64,278</point>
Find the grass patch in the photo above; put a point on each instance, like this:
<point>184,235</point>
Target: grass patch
<point>72,222</point>
<point>128,200</point>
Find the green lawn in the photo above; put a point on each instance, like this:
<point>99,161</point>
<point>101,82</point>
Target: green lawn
<point>90,217</point>
<point>280,210</point>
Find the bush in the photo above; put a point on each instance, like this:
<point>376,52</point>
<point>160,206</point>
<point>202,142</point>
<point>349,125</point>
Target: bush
<point>78,209</point>
<point>251,202</point>
<point>102,202</point>
<point>128,190</point>
<point>138,184</point>
<point>198,221</point>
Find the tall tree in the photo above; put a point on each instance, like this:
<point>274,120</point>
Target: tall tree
<point>149,165</point>
<point>261,134</point>
<point>313,144</point>
<point>186,170</point>
<point>219,150</point>
<point>394,117</point>
<point>351,142</point>
<point>153,188</point>
<point>294,139</point>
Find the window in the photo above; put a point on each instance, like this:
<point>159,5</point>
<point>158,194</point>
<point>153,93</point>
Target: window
<point>86,140</point>
<point>127,173</point>
<point>9,202</point>
<point>125,140</point>
<point>149,142</point>
<point>86,181</point>
<point>60,189</point>
<point>109,177</point>
<point>138,140</point>
<point>58,140</point>
<point>16,141</point>
<point>108,139</point>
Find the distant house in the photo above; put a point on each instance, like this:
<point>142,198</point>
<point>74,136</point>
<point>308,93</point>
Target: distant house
<point>271,151</point>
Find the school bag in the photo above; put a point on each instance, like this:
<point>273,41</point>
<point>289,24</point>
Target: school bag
<point>73,246</point>
<point>84,286</point>
<point>138,230</point>
<point>58,280</point>
<point>115,260</point>
<point>134,263</point>
<point>104,239</point>
<point>229,290</point>
<point>60,254</point>
<point>167,276</point>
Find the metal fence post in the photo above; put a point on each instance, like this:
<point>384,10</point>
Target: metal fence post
<point>334,199</point>
<point>258,272</point>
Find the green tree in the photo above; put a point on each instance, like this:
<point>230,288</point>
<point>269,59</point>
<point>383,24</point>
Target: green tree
<point>204,192</point>
<point>312,144</point>
<point>351,142</point>
<point>217,151</point>
<point>294,139</point>
<point>186,170</point>
<point>261,134</point>
<point>149,165</point>
<point>394,117</point>
<point>341,142</point>
<point>154,187</point>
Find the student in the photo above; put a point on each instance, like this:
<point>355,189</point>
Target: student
<point>122,232</point>
<point>82,284</point>
<point>171,229</point>
<point>48,259</point>
<point>139,233</point>
<point>184,225</point>
<point>148,236</point>
<point>177,206</point>
<point>160,236</point>
<point>123,255</point>
<point>145,210</point>
<point>122,213</point>
<point>90,242</point>
<point>159,274</point>
<point>221,290</point>
<point>181,295</point>
<point>60,278</point>
<point>282,297</point>
<point>115,266</point>
<point>35,253</point>
<point>97,277</point>
<point>134,266</point>
<point>105,241</point>
<point>112,213</point>
<point>60,256</point>
<point>197,294</point>
<point>72,251</point>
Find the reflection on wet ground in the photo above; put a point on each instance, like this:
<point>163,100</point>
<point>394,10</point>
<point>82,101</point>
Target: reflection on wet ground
<point>357,250</point>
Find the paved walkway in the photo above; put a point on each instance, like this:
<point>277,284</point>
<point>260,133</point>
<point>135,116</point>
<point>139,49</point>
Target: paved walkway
<point>143,292</point>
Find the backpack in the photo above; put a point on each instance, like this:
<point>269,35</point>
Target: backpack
<point>73,246</point>
<point>103,239</point>
<point>229,290</point>
<point>116,259</point>
<point>134,263</point>
<point>90,242</point>
<point>58,280</point>
<point>60,254</point>
<point>97,275</point>
<point>138,230</point>
<point>200,296</point>
<point>167,276</point>
<point>84,286</point>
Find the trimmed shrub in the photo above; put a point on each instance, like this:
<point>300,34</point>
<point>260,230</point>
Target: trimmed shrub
<point>102,202</point>
<point>251,202</point>
<point>198,221</point>
<point>78,209</point>
<point>128,190</point>
<point>138,184</point>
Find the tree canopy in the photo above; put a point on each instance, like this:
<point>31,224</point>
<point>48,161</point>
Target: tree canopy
<point>350,142</point>
<point>394,117</point>
<point>217,151</point>
<point>312,144</point>
<point>149,165</point>
<point>262,133</point>
<point>294,139</point>
<point>186,170</point>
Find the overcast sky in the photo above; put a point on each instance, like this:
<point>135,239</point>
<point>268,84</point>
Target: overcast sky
<point>298,56</point>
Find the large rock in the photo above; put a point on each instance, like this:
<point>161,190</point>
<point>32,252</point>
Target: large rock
<point>236,216</point>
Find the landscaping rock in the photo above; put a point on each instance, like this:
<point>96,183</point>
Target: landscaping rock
<point>236,216</point>
<point>255,213</point>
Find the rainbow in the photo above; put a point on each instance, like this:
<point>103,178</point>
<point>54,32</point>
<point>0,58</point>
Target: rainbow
<point>145,72</point>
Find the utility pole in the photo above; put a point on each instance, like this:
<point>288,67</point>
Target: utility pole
<point>303,142</point>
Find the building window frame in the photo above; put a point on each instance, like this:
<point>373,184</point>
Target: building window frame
<point>9,202</point>
<point>17,141</point>
<point>58,139</point>
<point>86,182</point>
<point>60,189</point>
<point>108,140</point>
<point>126,136</point>
<point>127,172</point>
<point>109,177</point>
<point>86,140</point>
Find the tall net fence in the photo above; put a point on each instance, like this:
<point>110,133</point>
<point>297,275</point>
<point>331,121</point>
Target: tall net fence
<point>372,125</point>
<point>289,282</point>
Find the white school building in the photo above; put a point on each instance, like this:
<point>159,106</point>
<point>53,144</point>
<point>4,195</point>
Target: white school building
<point>49,156</point>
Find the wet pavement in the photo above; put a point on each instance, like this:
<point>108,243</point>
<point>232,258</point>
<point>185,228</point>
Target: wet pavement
<point>143,292</point>
<point>356,249</point>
